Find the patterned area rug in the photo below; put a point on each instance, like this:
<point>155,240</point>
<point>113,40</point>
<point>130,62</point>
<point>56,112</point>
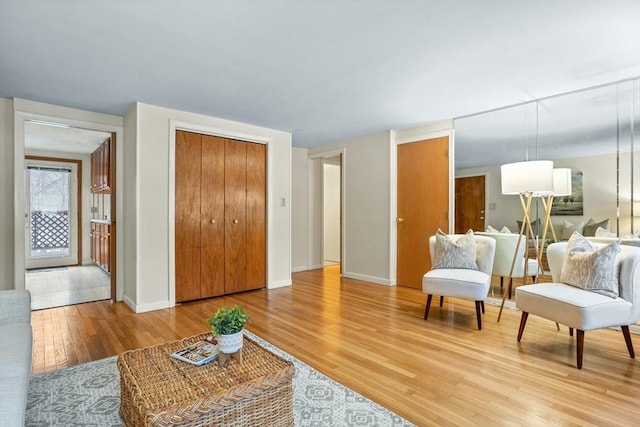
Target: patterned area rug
<point>89,395</point>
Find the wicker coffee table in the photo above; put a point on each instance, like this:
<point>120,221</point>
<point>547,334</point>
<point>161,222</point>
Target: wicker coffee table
<point>159,390</point>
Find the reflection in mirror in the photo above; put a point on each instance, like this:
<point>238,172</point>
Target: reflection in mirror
<point>595,132</point>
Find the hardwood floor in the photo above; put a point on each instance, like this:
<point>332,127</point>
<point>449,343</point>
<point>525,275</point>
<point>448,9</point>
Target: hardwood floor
<point>373,339</point>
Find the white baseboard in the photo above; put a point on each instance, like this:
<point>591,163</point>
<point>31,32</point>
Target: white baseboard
<point>299,269</point>
<point>280,284</point>
<point>142,308</point>
<point>366,278</point>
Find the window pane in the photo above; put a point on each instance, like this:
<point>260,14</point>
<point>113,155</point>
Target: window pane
<point>49,205</point>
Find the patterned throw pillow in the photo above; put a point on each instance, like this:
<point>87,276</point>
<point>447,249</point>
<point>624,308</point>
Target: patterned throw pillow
<point>591,269</point>
<point>450,253</point>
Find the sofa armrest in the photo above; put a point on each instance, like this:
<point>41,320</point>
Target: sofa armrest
<point>15,307</point>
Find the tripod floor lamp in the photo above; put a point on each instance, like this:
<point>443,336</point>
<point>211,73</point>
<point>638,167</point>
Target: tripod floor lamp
<point>527,180</point>
<point>561,188</point>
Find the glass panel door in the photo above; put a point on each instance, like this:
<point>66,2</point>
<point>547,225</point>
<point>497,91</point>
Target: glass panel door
<point>51,215</point>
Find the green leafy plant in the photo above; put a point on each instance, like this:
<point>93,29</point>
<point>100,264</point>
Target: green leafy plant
<point>228,320</point>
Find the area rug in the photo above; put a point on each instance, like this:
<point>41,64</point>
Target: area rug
<point>89,395</point>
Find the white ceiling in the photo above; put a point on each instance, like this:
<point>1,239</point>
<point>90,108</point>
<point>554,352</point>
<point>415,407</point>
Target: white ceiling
<point>42,136</point>
<point>323,70</point>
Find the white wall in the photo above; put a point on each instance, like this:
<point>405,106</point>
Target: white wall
<point>299,209</point>
<point>331,217</point>
<point>129,191</point>
<point>315,214</point>
<point>86,194</point>
<point>599,189</point>
<point>6,194</point>
<point>366,207</point>
<point>152,170</point>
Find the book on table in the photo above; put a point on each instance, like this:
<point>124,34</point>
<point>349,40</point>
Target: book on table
<point>199,353</point>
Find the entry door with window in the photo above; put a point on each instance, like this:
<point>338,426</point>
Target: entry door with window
<point>52,214</point>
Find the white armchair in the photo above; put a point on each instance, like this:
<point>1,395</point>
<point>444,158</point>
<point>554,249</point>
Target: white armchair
<point>506,244</point>
<point>582,309</point>
<point>461,282</point>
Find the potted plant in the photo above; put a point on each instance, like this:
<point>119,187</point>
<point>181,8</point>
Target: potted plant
<point>227,324</point>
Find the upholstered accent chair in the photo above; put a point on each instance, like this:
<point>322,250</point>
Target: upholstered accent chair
<point>586,309</point>
<point>506,244</point>
<point>468,283</point>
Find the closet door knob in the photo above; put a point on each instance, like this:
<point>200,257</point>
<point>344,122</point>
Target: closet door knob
<point>235,221</point>
<point>213,221</point>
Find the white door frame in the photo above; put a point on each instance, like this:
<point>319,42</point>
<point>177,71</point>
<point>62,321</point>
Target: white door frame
<point>25,110</point>
<point>316,245</point>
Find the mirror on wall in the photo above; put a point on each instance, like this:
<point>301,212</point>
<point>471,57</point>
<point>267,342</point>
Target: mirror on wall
<point>595,132</point>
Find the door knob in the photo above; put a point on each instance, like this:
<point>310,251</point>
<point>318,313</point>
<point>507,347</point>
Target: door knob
<point>235,221</point>
<point>399,220</point>
<point>213,221</point>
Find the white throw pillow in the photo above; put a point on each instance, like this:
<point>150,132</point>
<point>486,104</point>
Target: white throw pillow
<point>490,229</point>
<point>601,232</point>
<point>505,230</point>
<point>460,253</point>
<point>568,228</point>
<point>594,270</point>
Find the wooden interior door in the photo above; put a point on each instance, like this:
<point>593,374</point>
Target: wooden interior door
<point>212,228</point>
<point>188,170</point>
<point>256,241</point>
<point>423,205</point>
<point>470,204</point>
<point>235,187</point>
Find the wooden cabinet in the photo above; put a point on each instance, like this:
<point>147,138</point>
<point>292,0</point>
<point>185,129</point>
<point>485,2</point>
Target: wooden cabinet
<point>100,245</point>
<point>220,219</point>
<point>101,168</point>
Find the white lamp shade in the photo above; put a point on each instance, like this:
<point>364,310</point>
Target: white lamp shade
<point>561,182</point>
<point>524,177</point>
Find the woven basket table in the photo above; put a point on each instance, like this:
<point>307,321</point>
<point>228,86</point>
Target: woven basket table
<point>158,390</point>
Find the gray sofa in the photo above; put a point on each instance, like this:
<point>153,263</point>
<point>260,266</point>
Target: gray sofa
<point>16,339</point>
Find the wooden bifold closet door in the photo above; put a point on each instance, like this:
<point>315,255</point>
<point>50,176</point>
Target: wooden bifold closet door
<point>220,223</point>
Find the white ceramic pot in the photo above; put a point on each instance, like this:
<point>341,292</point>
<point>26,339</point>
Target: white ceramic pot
<point>230,344</point>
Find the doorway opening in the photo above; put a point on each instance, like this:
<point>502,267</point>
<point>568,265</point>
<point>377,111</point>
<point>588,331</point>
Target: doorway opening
<point>331,210</point>
<point>326,210</point>
<point>60,208</point>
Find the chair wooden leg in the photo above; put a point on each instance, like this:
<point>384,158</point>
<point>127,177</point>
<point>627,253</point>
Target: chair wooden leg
<point>501,281</point>
<point>570,332</point>
<point>426,309</point>
<point>579,347</point>
<point>482,305</point>
<point>510,286</point>
<point>523,321</point>
<point>478,315</point>
<point>627,339</point>
<point>441,300</point>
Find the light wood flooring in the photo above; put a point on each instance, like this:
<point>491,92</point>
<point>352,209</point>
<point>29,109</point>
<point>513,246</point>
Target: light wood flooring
<point>373,339</point>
